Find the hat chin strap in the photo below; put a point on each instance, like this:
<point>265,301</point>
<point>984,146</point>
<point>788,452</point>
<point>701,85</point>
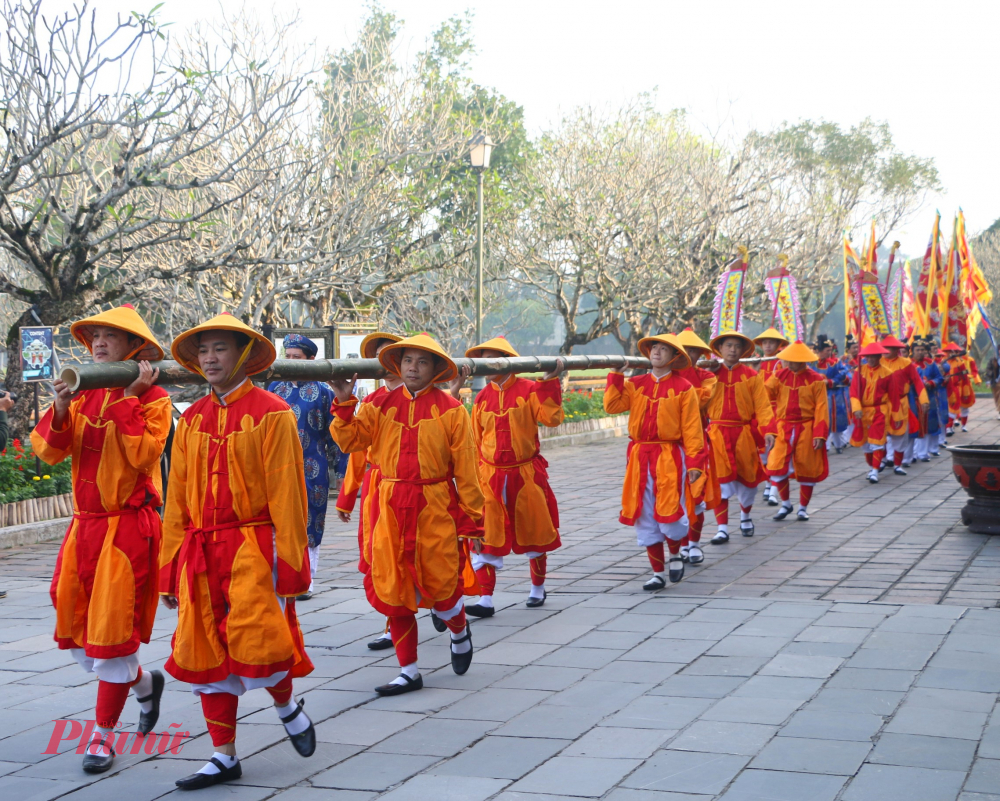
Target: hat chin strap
<point>243,359</point>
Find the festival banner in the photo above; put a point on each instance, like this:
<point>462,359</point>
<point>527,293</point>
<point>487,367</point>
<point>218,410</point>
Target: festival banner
<point>974,290</point>
<point>871,301</point>
<point>901,303</point>
<point>852,312</point>
<point>727,314</point>
<point>783,291</point>
<point>927,308</point>
<point>954,326</point>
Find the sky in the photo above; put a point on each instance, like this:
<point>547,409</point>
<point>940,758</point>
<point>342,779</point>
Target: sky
<point>929,69</point>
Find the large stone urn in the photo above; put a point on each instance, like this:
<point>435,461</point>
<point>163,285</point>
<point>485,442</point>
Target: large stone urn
<point>977,468</point>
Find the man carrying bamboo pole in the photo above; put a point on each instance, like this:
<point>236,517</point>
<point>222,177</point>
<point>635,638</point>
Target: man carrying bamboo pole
<point>770,342</point>
<point>234,552</point>
<point>428,498</point>
<point>520,514</point>
<point>104,588</point>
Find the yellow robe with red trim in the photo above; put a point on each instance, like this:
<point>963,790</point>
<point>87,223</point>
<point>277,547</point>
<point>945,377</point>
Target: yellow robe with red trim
<point>520,512</point>
<point>104,587</point>
<point>871,389</point>
<point>667,440</point>
<point>234,539</point>
<point>706,489</point>
<point>904,374</point>
<point>428,496</point>
<point>737,411</point>
<point>961,394</point>
<point>802,415</point>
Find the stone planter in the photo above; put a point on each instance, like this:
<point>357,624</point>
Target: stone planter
<point>35,510</point>
<point>583,426</point>
<point>977,469</point>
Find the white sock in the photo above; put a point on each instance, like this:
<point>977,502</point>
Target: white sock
<point>299,723</point>
<point>461,647</point>
<point>744,516</point>
<point>659,575</point>
<point>803,509</point>
<point>537,591</point>
<point>100,742</point>
<point>723,528</point>
<point>226,760</point>
<point>385,635</point>
<point>410,671</point>
<point>486,601</point>
<point>142,688</point>
<point>786,505</point>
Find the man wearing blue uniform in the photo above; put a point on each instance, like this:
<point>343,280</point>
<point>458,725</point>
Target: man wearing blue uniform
<point>311,402</point>
<point>838,382</point>
<point>928,444</point>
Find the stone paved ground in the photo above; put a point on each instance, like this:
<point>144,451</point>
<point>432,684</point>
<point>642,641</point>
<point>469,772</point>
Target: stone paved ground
<point>853,657</point>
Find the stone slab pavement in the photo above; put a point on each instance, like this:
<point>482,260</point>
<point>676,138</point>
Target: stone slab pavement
<point>853,657</point>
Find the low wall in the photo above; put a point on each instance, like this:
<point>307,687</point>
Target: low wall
<point>583,431</point>
<point>31,533</point>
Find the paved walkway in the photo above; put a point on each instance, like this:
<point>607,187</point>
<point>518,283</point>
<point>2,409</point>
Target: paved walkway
<point>855,657</point>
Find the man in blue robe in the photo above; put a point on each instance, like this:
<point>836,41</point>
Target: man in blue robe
<point>311,402</point>
<point>930,373</point>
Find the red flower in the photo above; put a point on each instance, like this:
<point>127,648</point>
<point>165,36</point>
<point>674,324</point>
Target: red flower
<point>17,457</point>
<point>20,468</point>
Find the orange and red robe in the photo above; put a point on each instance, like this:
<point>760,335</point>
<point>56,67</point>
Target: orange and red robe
<point>104,587</point>
<point>873,392</point>
<point>961,394</point>
<point>234,539</point>
<point>706,489</point>
<point>737,410</point>
<point>766,371</point>
<point>666,440</point>
<point>427,498</point>
<point>520,514</point>
<point>902,419</point>
<point>802,415</point>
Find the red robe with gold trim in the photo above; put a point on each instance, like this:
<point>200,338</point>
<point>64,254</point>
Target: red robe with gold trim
<point>802,416</point>
<point>738,409</point>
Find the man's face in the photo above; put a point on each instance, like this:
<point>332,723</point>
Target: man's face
<point>919,352</point>
<point>391,381</point>
<point>853,350</point>
<point>661,355</point>
<point>825,351</point>
<point>111,344</point>
<point>796,367</point>
<point>731,349</point>
<point>770,346</point>
<point>417,368</point>
<point>893,352</point>
<point>218,354</point>
<point>873,361</point>
<point>297,354</point>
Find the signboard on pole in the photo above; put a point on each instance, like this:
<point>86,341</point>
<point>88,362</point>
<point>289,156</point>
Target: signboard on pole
<point>347,343</point>
<point>38,356</point>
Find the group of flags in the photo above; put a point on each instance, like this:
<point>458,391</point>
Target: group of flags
<point>948,302</point>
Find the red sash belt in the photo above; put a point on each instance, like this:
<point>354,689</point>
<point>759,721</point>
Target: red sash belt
<point>195,559</point>
<point>729,423</point>
<point>513,465</point>
<point>146,511</point>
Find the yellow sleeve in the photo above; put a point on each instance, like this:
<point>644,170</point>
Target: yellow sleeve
<point>617,394</point>
<point>285,487</point>
<point>761,405</point>
<point>142,427</point>
<point>821,411</point>
<point>176,516</point>
<point>51,444</point>
<point>692,433</point>
<point>546,402</point>
<point>465,464</point>
<point>354,426</point>
<point>705,391</point>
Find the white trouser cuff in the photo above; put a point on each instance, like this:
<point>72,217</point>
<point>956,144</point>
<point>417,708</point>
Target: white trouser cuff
<point>450,613</point>
<point>534,554</point>
<point>117,670</point>
<point>480,559</point>
<point>237,685</point>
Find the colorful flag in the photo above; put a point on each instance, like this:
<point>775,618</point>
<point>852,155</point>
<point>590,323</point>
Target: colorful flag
<point>852,313</point>
<point>901,303</point>
<point>875,323</point>
<point>954,321</point>
<point>974,290</point>
<point>988,328</point>
<point>927,309</point>
<point>786,313</point>
<point>727,314</point>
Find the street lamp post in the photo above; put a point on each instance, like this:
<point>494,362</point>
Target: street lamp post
<point>480,148</point>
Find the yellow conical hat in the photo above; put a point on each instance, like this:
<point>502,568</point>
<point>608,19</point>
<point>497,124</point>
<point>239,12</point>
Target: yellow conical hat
<point>798,352</point>
<point>127,319</point>
<point>679,362</point>
<point>748,351</point>
<point>369,345</point>
<point>771,333</point>
<point>689,339</point>
<point>497,343</point>
<point>391,355</point>
<point>257,357</point>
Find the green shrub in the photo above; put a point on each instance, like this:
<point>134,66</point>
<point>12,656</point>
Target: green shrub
<point>19,481</point>
<point>583,404</point>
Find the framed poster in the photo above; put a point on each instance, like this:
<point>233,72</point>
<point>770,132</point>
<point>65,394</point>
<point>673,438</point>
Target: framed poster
<point>347,343</point>
<point>38,356</point>
<point>323,337</point>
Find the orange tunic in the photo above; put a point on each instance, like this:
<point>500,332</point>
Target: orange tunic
<point>667,439</point>
<point>905,373</point>
<point>104,587</point>
<point>870,391</point>
<point>961,394</point>
<point>234,539</point>
<point>520,512</point>
<point>802,416</point>
<point>428,495</point>
<point>738,402</point>
<point>706,488</point>
<point>766,371</point>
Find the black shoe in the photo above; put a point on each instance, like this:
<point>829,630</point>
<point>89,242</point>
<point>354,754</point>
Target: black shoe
<point>94,763</point>
<point>783,512</point>
<point>802,514</point>
<point>747,532</point>
<point>840,450</point>
<point>304,596</point>
<point>305,741</point>
<point>675,568</point>
<point>412,685</point>
<point>147,720</point>
<point>773,501</point>
<point>655,583</point>
<point>438,623</point>
<point>695,555</point>
<point>925,458</point>
<point>460,662</point>
<point>721,538</point>
<point>534,603</point>
<point>381,644</point>
<point>899,471</point>
<point>3,593</point>
<point>199,781</point>
<point>478,611</point>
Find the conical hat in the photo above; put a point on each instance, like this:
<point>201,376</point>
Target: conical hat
<point>260,353</point>
<point>891,342</point>
<point>771,333</point>
<point>873,349</point>
<point>127,319</point>
<point>371,342</point>
<point>679,362</point>
<point>748,351</point>
<point>497,343</point>
<point>798,352</point>
<point>392,355</point>
<point>951,346</point>
<point>689,339</point>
